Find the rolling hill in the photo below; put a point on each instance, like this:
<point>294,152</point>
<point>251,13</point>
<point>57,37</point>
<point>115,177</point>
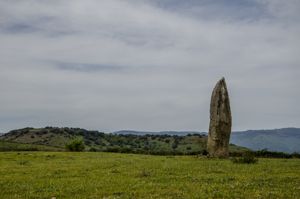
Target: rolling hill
<point>284,140</point>
<point>166,142</point>
<point>98,141</point>
<point>179,133</point>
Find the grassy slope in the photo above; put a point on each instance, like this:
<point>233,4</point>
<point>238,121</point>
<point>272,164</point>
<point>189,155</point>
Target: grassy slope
<point>40,136</point>
<point>14,146</point>
<point>108,175</point>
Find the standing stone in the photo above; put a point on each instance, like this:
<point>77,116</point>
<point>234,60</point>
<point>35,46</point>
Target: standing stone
<point>220,121</point>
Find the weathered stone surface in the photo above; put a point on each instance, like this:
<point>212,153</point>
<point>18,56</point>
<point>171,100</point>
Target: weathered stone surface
<point>220,121</point>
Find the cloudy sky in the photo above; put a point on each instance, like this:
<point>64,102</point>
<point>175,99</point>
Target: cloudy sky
<point>148,64</point>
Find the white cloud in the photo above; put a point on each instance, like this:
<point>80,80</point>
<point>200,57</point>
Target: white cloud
<point>165,63</point>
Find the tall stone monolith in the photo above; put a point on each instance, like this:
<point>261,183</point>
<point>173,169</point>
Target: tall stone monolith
<point>220,121</point>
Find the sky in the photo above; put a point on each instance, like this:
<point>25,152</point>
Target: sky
<point>148,65</point>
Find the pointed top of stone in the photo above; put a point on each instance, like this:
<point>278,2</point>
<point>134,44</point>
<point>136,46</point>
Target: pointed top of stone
<point>222,80</point>
<point>221,84</point>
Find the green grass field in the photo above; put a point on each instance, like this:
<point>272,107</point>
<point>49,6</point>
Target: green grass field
<point>112,175</point>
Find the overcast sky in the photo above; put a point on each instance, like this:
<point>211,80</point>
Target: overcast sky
<point>148,64</point>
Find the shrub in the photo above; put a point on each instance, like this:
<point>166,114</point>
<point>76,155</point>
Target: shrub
<point>247,158</point>
<point>23,162</point>
<point>75,145</point>
<point>144,173</point>
<point>296,155</point>
<point>174,145</point>
<point>204,152</point>
<point>93,149</point>
<point>272,154</point>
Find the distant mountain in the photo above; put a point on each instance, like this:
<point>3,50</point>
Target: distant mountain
<point>283,140</point>
<point>179,133</point>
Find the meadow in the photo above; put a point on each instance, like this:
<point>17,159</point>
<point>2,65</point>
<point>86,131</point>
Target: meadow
<point>113,175</point>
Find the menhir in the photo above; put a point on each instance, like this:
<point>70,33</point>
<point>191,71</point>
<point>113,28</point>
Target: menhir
<point>220,122</point>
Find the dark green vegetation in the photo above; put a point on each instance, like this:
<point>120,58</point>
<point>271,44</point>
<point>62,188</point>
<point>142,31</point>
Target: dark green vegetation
<point>75,145</point>
<point>27,175</point>
<point>190,144</point>
<point>14,146</point>
<point>246,158</point>
<point>274,154</point>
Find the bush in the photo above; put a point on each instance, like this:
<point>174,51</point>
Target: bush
<point>247,158</point>
<point>272,154</point>
<point>75,145</point>
<point>296,155</point>
<point>204,152</point>
<point>93,149</point>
